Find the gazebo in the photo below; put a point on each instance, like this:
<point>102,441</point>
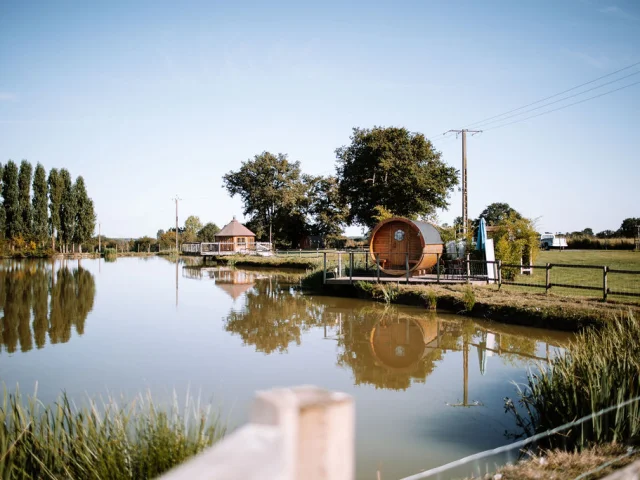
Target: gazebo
<point>235,237</point>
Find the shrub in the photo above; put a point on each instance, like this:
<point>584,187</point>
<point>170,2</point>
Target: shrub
<point>468,298</point>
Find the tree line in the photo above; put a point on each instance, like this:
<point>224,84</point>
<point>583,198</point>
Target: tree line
<point>37,208</point>
<point>383,172</point>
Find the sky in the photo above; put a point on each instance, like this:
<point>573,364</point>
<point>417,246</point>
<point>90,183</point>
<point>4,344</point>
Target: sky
<point>149,100</point>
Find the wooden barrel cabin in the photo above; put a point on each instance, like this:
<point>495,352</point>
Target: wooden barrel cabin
<point>394,238</point>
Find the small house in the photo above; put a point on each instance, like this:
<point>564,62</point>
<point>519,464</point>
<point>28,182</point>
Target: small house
<point>235,237</point>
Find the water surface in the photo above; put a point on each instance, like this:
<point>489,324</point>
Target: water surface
<point>428,388</point>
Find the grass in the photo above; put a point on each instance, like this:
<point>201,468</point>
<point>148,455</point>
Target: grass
<point>621,260</point>
<point>594,462</point>
<point>106,441</point>
<point>600,369</point>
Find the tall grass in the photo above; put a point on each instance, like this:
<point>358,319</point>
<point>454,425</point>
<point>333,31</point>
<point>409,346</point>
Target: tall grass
<point>107,441</point>
<point>600,369</point>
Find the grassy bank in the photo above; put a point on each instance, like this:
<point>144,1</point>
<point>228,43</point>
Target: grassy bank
<point>101,441</point>
<point>595,462</point>
<point>507,306</point>
<point>600,369</point>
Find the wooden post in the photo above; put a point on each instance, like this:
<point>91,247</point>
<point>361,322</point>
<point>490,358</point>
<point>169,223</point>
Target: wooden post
<point>468,266</point>
<point>499,274</point>
<point>547,284</point>
<point>324,269</point>
<point>378,267</point>
<point>437,268</point>
<point>605,288</point>
<point>366,262</point>
<point>406,264</point>
<point>339,264</point>
<point>351,267</point>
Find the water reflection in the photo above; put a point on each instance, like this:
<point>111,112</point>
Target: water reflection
<point>41,299</point>
<point>386,347</point>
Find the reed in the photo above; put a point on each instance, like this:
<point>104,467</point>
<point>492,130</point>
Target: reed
<point>600,369</point>
<point>101,441</point>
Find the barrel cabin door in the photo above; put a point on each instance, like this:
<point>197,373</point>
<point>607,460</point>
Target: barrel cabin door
<point>399,244</point>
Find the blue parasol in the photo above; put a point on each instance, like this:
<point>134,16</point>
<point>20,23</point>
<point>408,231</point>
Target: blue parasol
<point>482,235</point>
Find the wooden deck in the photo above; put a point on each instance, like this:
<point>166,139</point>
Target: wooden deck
<point>418,280</point>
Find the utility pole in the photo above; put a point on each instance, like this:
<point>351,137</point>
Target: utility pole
<point>176,199</point>
<point>465,219</point>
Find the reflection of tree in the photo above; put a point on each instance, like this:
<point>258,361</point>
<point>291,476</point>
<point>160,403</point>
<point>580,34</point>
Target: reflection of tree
<point>35,302</point>
<point>272,317</point>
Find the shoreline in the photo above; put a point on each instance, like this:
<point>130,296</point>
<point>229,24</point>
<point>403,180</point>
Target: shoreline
<point>484,302</point>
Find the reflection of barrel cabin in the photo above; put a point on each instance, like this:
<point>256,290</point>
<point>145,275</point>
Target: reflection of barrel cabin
<point>399,346</point>
<point>397,242</point>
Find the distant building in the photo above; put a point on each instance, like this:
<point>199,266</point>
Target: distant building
<point>236,237</point>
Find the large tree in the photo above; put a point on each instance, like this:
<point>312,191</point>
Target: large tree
<point>85,222</point>
<point>68,209</point>
<point>327,210</point>
<point>11,202</point>
<point>496,213</point>
<point>40,227</point>
<point>208,233</point>
<point>24,197</point>
<point>395,169</point>
<point>56,190</point>
<point>272,191</point>
<point>629,227</point>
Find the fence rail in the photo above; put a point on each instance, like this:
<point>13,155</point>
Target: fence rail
<point>444,268</point>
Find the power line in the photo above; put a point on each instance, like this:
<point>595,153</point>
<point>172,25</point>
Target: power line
<point>553,96</point>
<point>564,106</point>
<point>560,100</point>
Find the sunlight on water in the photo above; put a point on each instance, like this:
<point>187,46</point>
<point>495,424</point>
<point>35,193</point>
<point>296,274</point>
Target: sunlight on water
<point>428,387</point>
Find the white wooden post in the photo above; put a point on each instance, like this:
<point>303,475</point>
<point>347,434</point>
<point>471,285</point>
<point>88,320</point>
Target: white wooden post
<point>301,433</point>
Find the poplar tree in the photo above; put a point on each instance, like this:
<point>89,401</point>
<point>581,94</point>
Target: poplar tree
<point>10,195</point>
<point>68,209</point>
<point>2,215</point>
<point>24,196</point>
<point>40,216</point>
<point>85,222</point>
<point>55,201</point>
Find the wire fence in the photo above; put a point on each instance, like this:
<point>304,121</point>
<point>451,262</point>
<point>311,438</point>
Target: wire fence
<point>488,461</point>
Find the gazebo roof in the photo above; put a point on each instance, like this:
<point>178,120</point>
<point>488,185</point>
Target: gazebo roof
<point>235,229</point>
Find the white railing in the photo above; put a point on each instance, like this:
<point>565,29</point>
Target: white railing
<point>294,434</point>
<point>226,247</point>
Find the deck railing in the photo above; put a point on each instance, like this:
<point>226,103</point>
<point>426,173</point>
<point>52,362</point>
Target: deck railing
<point>212,248</point>
<point>599,280</point>
<point>294,434</point>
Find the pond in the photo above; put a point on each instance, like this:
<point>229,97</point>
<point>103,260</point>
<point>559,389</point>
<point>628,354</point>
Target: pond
<point>429,388</point>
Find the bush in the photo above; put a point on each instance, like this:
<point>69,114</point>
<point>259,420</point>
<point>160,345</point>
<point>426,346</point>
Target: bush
<point>468,298</point>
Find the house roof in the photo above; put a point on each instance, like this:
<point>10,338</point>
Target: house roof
<point>235,229</point>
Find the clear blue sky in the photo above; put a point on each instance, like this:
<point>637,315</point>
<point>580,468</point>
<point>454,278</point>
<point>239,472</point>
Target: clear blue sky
<point>150,99</point>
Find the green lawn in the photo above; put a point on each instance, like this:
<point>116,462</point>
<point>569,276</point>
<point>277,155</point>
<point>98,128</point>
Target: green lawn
<point>620,260</point>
